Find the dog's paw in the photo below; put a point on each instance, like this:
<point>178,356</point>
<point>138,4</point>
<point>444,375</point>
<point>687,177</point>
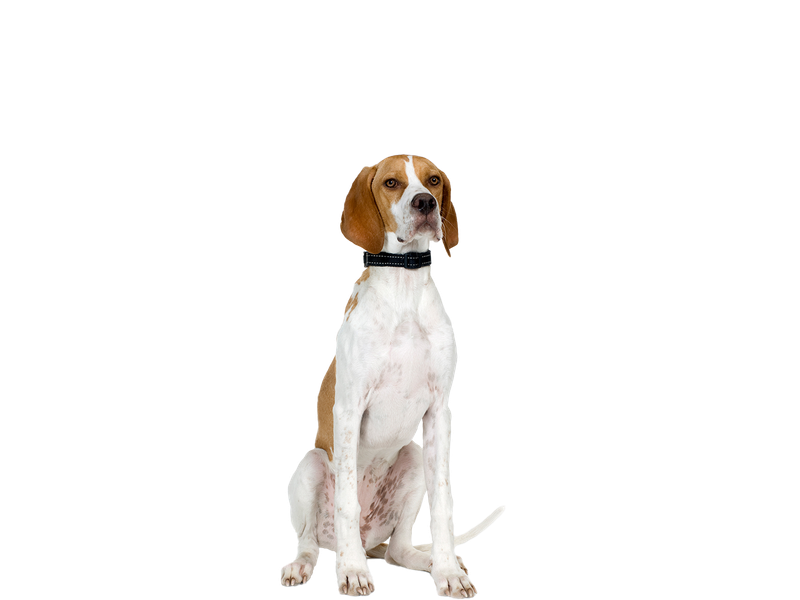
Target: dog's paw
<point>454,584</point>
<point>355,581</point>
<point>296,573</point>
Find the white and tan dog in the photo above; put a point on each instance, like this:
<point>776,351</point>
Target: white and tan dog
<point>395,359</point>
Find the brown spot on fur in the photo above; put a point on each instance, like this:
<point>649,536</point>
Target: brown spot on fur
<point>325,402</point>
<point>351,304</point>
<point>353,301</point>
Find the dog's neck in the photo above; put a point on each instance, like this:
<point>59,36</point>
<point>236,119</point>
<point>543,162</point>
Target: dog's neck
<point>401,289</point>
<point>400,277</point>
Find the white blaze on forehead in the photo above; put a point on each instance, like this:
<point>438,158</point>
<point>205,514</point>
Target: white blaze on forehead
<point>412,174</point>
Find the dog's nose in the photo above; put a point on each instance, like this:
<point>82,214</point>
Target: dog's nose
<point>424,203</point>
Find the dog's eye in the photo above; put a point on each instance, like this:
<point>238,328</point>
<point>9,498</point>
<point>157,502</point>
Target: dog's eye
<point>434,180</point>
<point>390,183</point>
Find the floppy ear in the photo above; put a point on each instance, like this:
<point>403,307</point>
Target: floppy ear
<point>449,220</point>
<point>361,222</point>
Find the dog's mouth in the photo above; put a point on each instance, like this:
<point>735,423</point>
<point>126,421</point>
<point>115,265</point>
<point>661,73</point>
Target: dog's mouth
<point>423,226</point>
<point>427,228</point>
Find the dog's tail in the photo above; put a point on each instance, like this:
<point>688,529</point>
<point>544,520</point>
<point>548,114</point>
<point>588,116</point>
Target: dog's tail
<point>477,530</point>
<point>380,550</point>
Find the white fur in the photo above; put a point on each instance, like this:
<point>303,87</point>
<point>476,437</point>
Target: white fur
<point>395,361</point>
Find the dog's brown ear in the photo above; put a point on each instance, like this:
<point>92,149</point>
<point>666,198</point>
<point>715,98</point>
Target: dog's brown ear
<point>361,222</point>
<point>449,220</point>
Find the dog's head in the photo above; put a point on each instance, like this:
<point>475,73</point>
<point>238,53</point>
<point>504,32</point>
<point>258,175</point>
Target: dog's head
<point>401,201</point>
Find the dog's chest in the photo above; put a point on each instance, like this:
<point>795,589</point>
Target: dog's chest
<point>403,391</point>
<point>411,359</point>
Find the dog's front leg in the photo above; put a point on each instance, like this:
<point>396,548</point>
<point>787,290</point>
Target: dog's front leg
<point>352,573</point>
<point>449,577</point>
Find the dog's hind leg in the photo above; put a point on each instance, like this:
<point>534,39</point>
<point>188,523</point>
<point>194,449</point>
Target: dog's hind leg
<point>305,487</point>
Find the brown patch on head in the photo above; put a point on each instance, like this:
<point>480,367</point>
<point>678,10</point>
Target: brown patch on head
<point>388,186</point>
<point>429,176</point>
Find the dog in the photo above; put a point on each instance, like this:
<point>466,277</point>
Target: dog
<point>365,480</point>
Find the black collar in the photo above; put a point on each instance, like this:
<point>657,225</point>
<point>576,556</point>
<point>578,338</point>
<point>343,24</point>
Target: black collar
<point>410,260</point>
